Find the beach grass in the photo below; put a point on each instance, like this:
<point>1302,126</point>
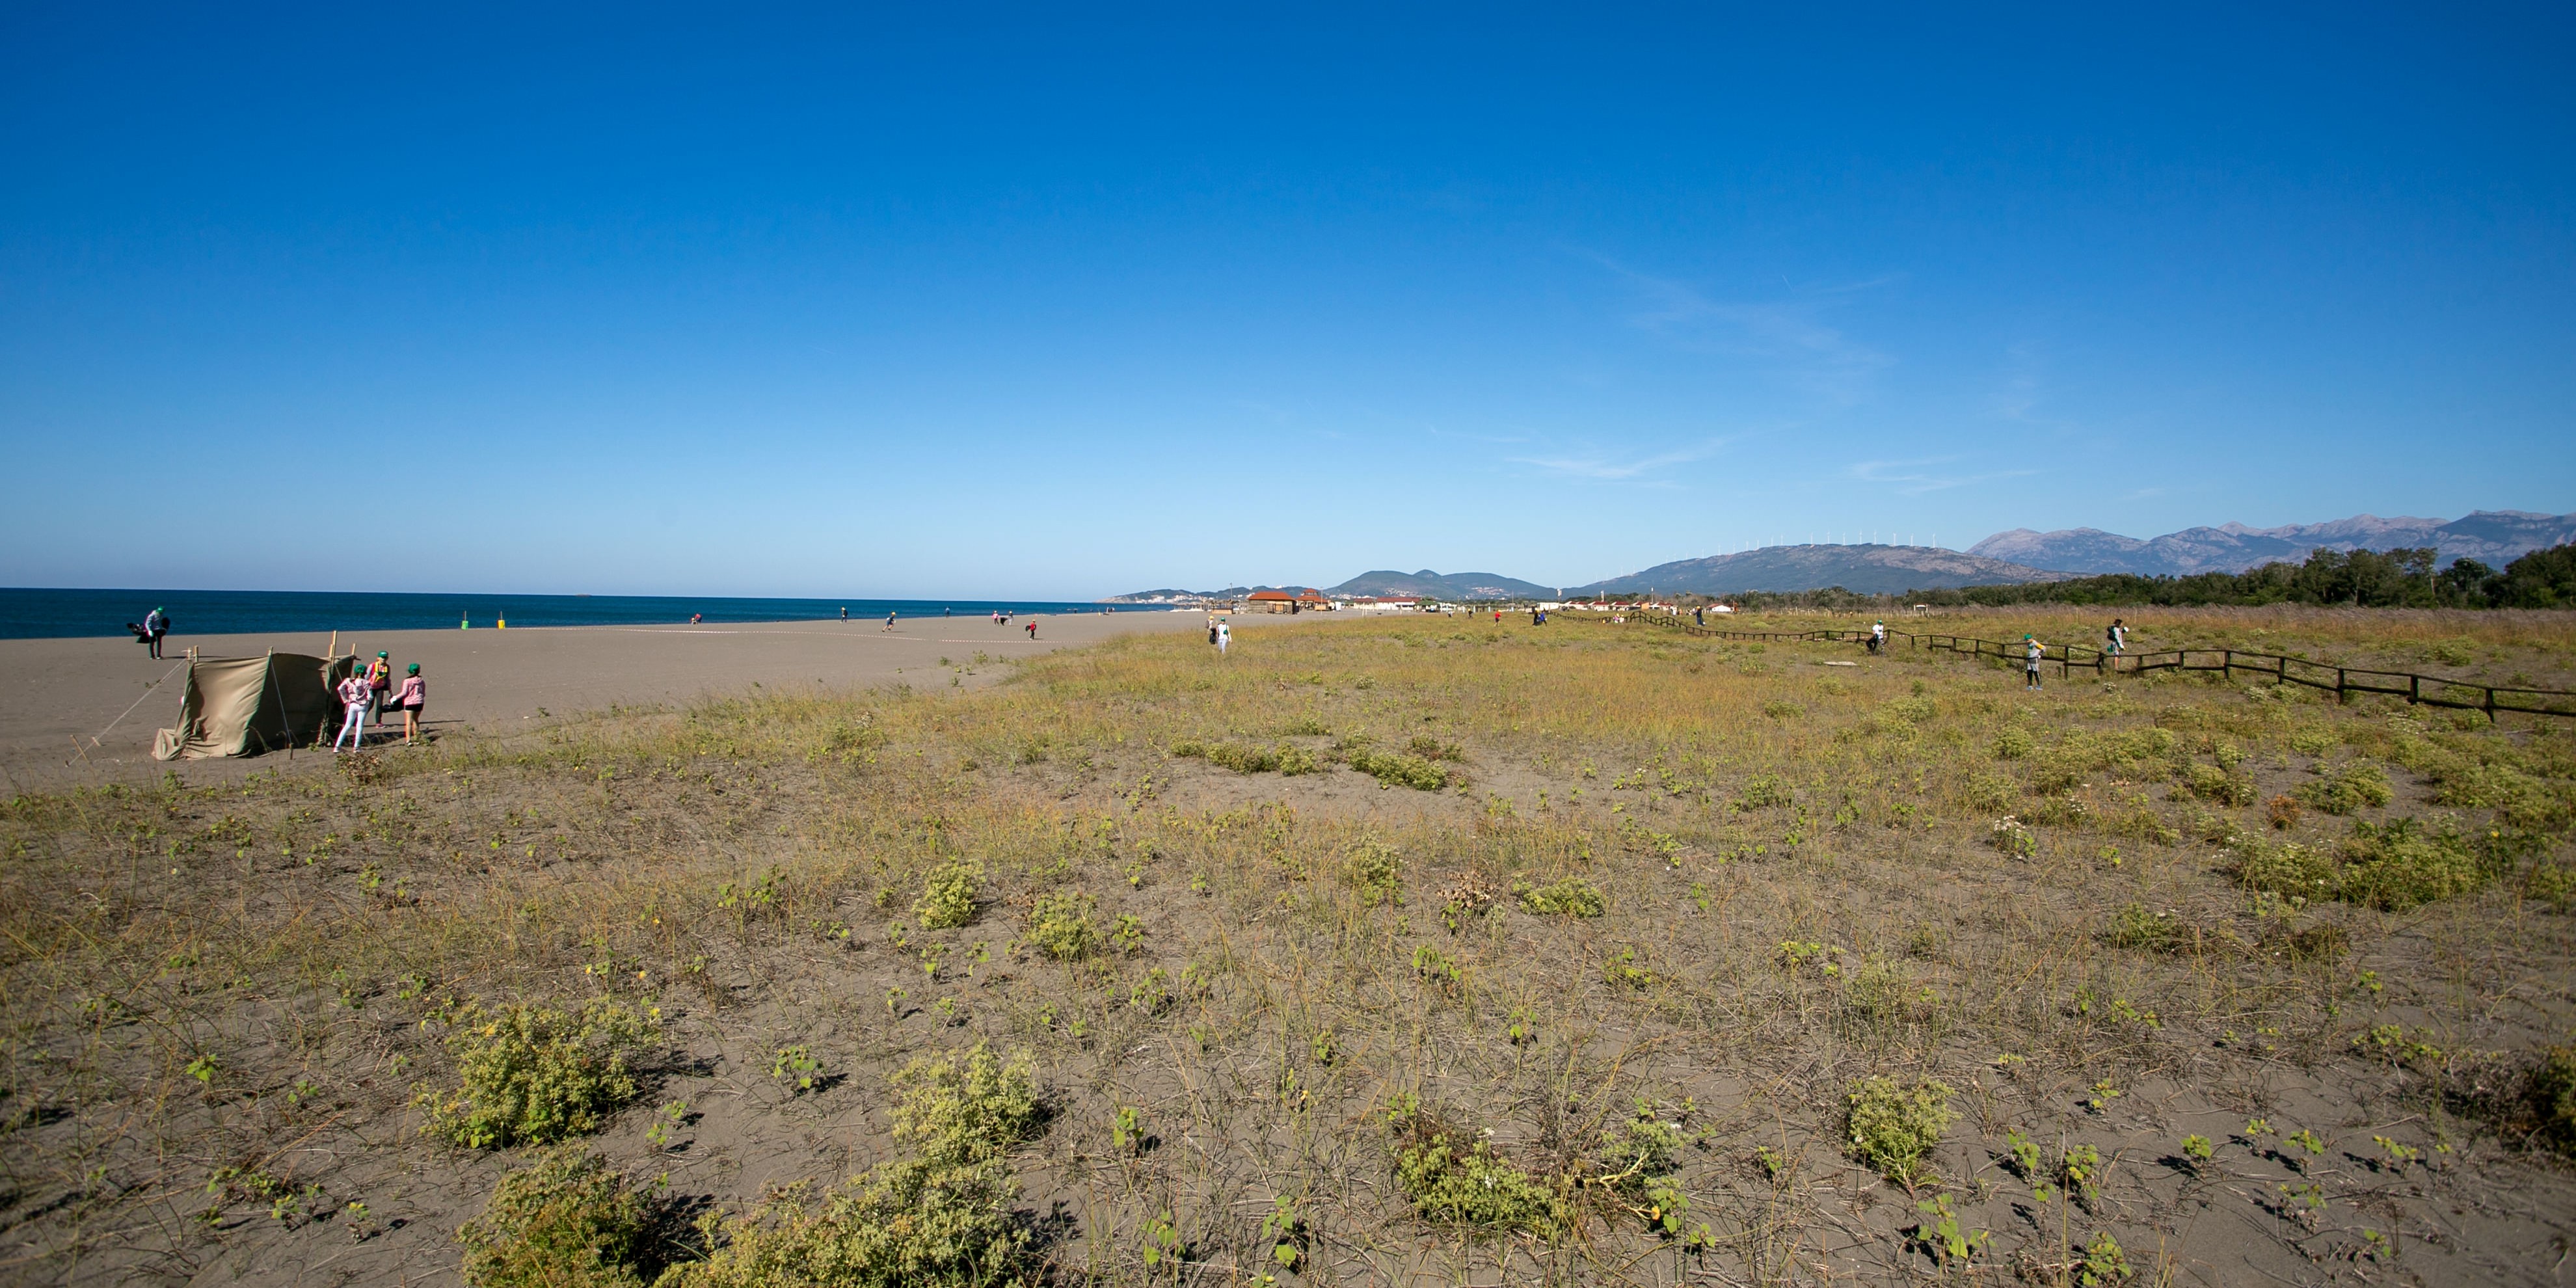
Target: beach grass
<point>1430,947</point>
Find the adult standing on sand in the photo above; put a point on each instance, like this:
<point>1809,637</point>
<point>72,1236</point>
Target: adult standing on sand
<point>845,614</point>
<point>414,696</point>
<point>2031,652</point>
<point>354,697</point>
<point>155,625</point>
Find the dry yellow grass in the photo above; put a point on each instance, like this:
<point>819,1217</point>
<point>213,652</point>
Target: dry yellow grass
<point>1803,879</point>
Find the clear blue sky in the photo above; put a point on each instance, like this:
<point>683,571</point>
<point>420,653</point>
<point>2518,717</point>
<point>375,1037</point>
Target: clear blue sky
<point>967,300</point>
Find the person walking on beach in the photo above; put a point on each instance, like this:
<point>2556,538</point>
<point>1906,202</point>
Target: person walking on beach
<point>355,695</point>
<point>889,624</point>
<point>2031,652</point>
<point>2116,639</point>
<point>1033,628</point>
<point>845,614</point>
<point>414,696</point>
<point>155,625</point>
<point>1224,636</point>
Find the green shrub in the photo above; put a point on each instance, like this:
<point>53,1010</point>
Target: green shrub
<point>1454,1181</point>
<point>1060,925</point>
<point>2402,865</point>
<point>2553,884</point>
<point>2133,926</point>
<point>1571,897</point>
<point>534,1075</point>
<point>1376,871</point>
<point>2284,867</point>
<point>948,897</point>
<point>1991,793</point>
<point>937,1217</point>
<point>1763,791</point>
<point>2553,1098</point>
<point>1892,1125</point>
<point>2221,786</point>
<point>565,1221</point>
<point>1398,770</point>
<point>2351,786</point>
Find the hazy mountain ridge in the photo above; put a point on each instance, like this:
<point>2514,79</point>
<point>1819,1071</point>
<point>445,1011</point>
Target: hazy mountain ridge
<point>1866,569</point>
<point>1432,585</point>
<point>2493,537</point>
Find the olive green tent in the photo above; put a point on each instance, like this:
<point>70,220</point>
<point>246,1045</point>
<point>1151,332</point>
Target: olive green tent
<point>241,706</point>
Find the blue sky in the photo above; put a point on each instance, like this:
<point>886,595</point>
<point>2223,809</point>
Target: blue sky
<point>1059,302</point>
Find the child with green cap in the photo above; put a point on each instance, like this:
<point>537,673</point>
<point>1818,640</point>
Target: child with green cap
<point>414,696</point>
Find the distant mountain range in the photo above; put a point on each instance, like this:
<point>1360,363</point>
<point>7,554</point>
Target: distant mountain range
<point>1431,585</point>
<point>2493,537</point>
<point>1866,569</point>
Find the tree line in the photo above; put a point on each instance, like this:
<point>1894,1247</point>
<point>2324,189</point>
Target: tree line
<point>2400,578</point>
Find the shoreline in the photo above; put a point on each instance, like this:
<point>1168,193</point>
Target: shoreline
<point>61,698</point>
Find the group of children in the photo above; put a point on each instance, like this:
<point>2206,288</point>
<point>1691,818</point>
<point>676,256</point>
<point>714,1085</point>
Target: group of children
<point>372,691</point>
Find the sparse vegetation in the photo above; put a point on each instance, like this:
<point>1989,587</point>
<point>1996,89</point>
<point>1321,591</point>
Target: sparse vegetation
<point>1665,965</point>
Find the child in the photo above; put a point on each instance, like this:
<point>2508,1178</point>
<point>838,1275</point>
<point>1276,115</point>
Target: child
<point>2031,652</point>
<point>355,697</point>
<point>414,696</point>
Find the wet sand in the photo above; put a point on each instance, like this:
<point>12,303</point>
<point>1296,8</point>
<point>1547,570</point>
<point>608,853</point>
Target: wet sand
<point>61,699</point>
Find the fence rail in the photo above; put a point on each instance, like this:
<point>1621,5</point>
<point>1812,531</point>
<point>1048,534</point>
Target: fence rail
<point>2342,681</point>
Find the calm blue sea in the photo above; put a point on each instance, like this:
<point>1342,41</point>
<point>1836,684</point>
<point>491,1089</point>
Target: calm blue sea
<point>52,614</point>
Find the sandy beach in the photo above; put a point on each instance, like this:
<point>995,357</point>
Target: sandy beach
<point>84,710</point>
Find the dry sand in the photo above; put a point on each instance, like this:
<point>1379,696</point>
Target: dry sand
<point>83,710</point>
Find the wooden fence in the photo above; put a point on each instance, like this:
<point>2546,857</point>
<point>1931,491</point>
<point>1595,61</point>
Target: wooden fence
<point>2343,681</point>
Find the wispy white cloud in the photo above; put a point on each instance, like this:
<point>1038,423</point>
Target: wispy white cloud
<point>1618,467</point>
<point>1789,336</point>
<point>1914,478</point>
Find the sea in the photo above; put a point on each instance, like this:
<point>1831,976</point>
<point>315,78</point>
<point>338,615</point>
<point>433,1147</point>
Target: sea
<point>27,613</point>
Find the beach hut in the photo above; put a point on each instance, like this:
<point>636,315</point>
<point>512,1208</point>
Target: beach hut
<point>241,706</point>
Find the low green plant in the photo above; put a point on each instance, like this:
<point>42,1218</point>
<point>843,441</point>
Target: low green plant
<point>1399,770</point>
<point>1571,897</point>
<point>534,1075</point>
<point>948,896</point>
<point>1762,791</point>
<point>2014,743</point>
<point>2403,864</point>
<point>1376,872</point>
<point>937,1215</point>
<point>1940,1234</point>
<point>2349,787</point>
<point>2134,926</point>
<point>1454,1179</point>
<point>1625,967</point>
<point>567,1220</point>
<point>1892,1125</point>
<point>1060,925</point>
<point>2103,1263</point>
<point>798,1065</point>
<point>2220,786</point>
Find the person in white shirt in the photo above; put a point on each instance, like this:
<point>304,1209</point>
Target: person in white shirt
<point>2031,652</point>
<point>1224,636</point>
<point>356,695</point>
